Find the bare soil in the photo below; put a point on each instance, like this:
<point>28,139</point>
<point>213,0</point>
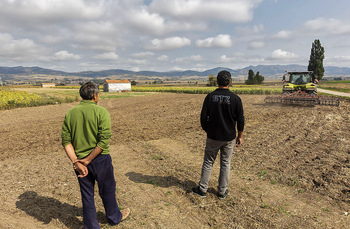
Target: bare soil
<point>293,170</point>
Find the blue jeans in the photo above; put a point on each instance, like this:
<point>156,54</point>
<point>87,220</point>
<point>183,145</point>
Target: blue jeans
<point>100,170</point>
<point>211,151</point>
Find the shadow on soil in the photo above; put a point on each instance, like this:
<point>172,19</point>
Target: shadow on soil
<point>46,209</point>
<point>160,181</point>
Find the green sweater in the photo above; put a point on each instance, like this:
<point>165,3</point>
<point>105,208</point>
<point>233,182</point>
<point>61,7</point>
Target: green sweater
<point>86,126</point>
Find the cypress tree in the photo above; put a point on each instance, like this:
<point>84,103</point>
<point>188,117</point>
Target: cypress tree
<point>250,79</point>
<point>316,60</point>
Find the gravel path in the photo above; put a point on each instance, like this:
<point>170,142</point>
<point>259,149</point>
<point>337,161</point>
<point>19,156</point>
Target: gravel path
<point>334,92</point>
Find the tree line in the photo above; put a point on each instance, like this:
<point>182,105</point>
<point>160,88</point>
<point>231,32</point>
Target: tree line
<point>254,78</point>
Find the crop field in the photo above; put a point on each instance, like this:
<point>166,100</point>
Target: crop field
<point>12,99</point>
<point>239,89</point>
<point>35,96</point>
<point>292,170</point>
<point>206,90</point>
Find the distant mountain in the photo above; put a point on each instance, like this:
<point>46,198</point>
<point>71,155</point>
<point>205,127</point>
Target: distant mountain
<point>338,71</point>
<point>106,73</point>
<point>215,71</point>
<point>29,71</point>
<point>265,70</point>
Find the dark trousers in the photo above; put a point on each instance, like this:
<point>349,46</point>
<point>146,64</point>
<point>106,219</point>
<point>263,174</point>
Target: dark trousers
<point>100,170</point>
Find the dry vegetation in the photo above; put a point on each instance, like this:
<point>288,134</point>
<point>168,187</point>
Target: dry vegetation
<point>292,171</point>
<point>343,86</point>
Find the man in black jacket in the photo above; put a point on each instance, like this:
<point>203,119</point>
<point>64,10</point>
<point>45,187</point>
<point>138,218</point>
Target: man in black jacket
<point>222,110</point>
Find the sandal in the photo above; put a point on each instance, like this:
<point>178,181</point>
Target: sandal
<point>125,213</point>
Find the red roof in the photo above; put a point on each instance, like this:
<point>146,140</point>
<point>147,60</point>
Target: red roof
<point>117,81</point>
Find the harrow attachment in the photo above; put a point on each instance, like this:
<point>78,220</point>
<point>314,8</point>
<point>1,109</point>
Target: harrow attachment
<point>302,98</point>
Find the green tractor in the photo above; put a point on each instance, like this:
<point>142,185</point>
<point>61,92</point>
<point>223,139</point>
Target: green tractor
<point>299,81</point>
<point>301,88</point>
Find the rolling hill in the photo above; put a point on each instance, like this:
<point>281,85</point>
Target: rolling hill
<point>269,71</point>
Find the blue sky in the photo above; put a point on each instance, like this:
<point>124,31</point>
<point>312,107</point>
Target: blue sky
<point>163,35</point>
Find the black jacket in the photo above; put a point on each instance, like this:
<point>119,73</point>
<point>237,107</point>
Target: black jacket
<point>221,110</point>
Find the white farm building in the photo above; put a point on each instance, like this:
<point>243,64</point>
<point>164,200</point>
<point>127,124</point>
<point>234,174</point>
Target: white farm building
<point>45,85</point>
<point>116,85</point>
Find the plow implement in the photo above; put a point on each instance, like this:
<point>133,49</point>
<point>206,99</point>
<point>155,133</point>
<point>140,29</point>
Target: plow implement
<point>302,98</point>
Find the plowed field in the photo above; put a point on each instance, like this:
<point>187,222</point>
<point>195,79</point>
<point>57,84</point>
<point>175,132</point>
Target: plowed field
<point>292,171</point>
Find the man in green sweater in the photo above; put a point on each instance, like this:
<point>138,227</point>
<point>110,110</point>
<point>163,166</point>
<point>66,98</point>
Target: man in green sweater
<point>86,132</point>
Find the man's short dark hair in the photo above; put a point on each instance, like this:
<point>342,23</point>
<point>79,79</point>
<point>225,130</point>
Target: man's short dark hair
<point>224,78</point>
<point>88,90</point>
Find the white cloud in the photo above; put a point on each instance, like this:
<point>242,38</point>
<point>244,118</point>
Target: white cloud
<point>256,44</point>
<point>179,59</point>
<point>107,56</point>
<point>169,43</point>
<point>256,60</point>
<point>196,57</point>
<point>220,41</point>
<point>163,58</point>
<point>142,54</point>
<point>53,10</point>
<point>147,22</point>
<point>52,39</point>
<point>279,54</point>
<point>327,26</point>
<point>339,58</point>
<point>231,11</point>
<point>249,30</point>
<point>95,42</point>
<point>283,34</point>
<point>342,61</point>
<point>17,48</point>
<point>137,61</point>
<point>258,28</point>
<point>240,60</point>
<point>193,58</point>
<point>65,55</point>
<point>226,59</point>
<point>101,28</point>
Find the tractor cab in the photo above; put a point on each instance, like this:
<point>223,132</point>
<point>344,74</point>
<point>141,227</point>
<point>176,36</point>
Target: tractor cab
<point>300,79</point>
<point>303,81</point>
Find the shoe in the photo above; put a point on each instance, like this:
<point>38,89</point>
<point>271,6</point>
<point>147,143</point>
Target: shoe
<point>197,191</point>
<point>223,196</point>
<point>125,213</point>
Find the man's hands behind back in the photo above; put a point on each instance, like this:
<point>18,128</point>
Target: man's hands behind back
<point>81,169</point>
